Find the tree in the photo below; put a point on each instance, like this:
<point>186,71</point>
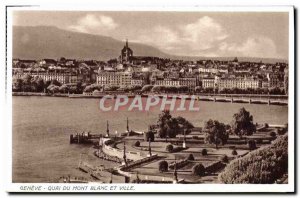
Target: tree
<point>262,166</point>
<point>17,84</point>
<point>172,128</point>
<point>234,152</point>
<point>64,88</point>
<point>62,59</point>
<point>215,133</point>
<point>167,126</point>
<point>252,144</point>
<point>27,79</point>
<point>55,82</point>
<point>149,135</point>
<point>146,78</point>
<point>198,170</point>
<point>40,84</point>
<point>184,124</point>
<point>169,148</point>
<point>163,166</point>
<point>204,152</point>
<point>147,88</point>
<point>47,83</point>
<point>137,144</point>
<point>88,89</point>
<point>79,87</point>
<point>242,123</point>
<point>224,158</point>
<point>53,88</point>
<point>191,157</point>
<point>112,61</point>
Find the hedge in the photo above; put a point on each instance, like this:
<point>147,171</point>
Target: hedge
<point>214,167</point>
<point>179,164</point>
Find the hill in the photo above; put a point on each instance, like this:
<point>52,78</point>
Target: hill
<point>37,42</point>
<point>51,42</point>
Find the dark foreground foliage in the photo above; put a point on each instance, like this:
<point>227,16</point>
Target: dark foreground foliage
<point>263,166</point>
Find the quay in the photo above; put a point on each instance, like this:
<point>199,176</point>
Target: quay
<point>84,138</point>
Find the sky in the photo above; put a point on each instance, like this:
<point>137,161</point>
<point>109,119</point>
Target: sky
<point>212,34</point>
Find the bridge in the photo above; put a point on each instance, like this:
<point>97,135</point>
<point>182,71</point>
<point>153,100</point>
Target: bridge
<point>247,98</point>
<point>233,98</point>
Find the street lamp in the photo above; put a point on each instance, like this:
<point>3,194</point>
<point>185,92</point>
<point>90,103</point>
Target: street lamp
<point>116,134</point>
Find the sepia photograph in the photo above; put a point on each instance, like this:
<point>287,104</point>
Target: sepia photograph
<point>166,98</point>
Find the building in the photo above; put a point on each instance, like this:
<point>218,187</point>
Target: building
<point>47,62</point>
<point>208,70</point>
<point>239,83</point>
<point>167,82</point>
<point>126,54</point>
<point>208,82</point>
<point>274,80</point>
<point>189,82</point>
<point>265,84</point>
<point>63,78</point>
<point>114,78</point>
<point>137,82</point>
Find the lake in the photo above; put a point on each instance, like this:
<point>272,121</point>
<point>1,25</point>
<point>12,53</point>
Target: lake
<point>42,125</point>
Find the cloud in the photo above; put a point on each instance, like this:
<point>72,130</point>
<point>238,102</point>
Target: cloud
<point>161,37</point>
<point>203,34</point>
<point>94,24</point>
<point>254,46</point>
<point>207,37</point>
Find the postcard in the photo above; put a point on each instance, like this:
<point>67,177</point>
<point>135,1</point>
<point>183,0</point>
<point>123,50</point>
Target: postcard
<point>150,99</point>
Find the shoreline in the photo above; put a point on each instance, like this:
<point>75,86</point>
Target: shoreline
<point>281,100</point>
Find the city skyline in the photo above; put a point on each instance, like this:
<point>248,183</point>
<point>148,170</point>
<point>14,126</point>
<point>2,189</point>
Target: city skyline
<point>250,34</point>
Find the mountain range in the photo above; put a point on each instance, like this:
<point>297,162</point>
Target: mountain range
<point>37,42</point>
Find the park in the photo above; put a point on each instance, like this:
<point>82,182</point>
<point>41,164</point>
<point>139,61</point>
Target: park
<point>174,151</point>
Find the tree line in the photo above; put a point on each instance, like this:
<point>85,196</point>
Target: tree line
<point>216,132</point>
<point>272,91</point>
<point>29,83</point>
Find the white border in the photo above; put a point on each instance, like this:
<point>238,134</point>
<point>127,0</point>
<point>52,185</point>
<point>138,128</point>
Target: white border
<point>92,6</point>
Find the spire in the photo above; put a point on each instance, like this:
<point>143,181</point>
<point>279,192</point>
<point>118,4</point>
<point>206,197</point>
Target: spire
<point>126,43</point>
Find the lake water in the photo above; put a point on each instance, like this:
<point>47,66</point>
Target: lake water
<point>42,125</point>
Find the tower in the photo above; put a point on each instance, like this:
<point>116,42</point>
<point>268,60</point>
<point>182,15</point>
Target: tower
<point>126,53</point>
